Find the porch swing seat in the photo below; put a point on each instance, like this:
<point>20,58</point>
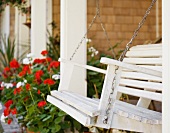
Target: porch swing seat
<point>139,75</point>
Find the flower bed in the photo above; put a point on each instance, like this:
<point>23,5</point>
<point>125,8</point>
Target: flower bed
<point>24,90</point>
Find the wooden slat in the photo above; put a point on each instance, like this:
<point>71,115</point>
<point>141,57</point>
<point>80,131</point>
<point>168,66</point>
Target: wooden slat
<point>131,67</point>
<point>79,116</point>
<point>155,114</point>
<point>137,113</point>
<point>88,101</point>
<point>140,93</point>
<point>144,53</point>
<point>141,84</point>
<point>142,76</point>
<point>155,61</point>
<point>78,104</point>
<point>147,46</point>
<point>84,66</point>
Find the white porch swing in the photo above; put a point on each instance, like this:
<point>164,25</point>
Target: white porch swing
<point>138,73</point>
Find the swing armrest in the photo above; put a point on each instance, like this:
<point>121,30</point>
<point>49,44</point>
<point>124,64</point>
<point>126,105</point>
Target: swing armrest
<point>83,66</point>
<point>109,61</point>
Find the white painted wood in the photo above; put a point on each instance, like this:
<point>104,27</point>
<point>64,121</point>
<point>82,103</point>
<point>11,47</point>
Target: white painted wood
<point>138,61</point>
<point>65,82</point>
<point>137,75</point>
<point>106,90</point>
<point>5,22</point>
<point>166,64</point>
<point>141,84</point>
<point>22,34</point>
<point>38,27</point>
<point>88,101</point>
<point>73,15</point>
<point>148,46</point>
<point>88,109</point>
<point>49,15</point>
<point>144,53</point>
<point>137,118</point>
<point>134,125</point>
<point>129,66</point>
<point>140,93</point>
<point>84,66</point>
<point>82,118</point>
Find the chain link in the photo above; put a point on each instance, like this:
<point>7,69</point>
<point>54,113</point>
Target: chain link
<point>136,31</point>
<point>105,120</point>
<point>91,24</point>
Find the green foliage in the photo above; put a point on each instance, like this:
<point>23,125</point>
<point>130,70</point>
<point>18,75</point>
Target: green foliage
<point>16,3</point>
<point>7,49</point>
<point>53,43</point>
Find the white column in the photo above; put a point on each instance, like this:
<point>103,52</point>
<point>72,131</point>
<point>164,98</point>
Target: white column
<point>38,26</point>
<point>166,65</point>
<point>5,24</point>
<point>73,27</point>
<point>21,34</point>
<point>49,14</point>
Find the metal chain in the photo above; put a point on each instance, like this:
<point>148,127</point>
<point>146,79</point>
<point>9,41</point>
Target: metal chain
<point>91,24</point>
<point>136,31</point>
<point>105,120</point>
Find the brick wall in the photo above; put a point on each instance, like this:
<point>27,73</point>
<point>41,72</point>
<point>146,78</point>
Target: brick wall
<point>56,14</point>
<point>120,18</point>
<point>12,22</point>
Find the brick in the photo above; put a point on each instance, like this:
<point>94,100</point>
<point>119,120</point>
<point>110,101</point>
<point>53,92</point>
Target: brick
<point>111,19</point>
<point>91,3</point>
<point>91,10</point>
<point>116,27</point>
<point>108,3</point>
<point>107,11</point>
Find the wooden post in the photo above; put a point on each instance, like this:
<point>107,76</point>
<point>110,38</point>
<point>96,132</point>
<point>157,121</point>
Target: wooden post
<point>166,65</point>
<point>73,27</point>
<point>5,23</point>
<point>22,34</point>
<point>38,26</point>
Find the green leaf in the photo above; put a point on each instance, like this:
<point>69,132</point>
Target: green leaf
<point>58,120</point>
<point>57,128</point>
<point>52,109</point>
<point>76,124</point>
<point>65,125</point>
<point>47,118</point>
<point>62,113</point>
<point>42,116</point>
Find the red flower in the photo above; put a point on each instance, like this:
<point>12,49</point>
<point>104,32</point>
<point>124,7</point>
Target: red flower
<point>26,68</point>
<point>22,73</point>
<point>6,112</point>
<point>38,61</point>
<point>38,74</point>
<point>9,121</point>
<point>38,92</point>
<point>49,81</point>
<point>14,64</point>
<point>17,90</point>
<point>27,86</point>
<point>14,111</point>
<point>6,69</point>
<point>48,59</point>
<point>14,83</point>
<point>44,52</point>
<point>1,88</point>
<point>42,104</point>
<point>8,103</point>
<point>55,64</point>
